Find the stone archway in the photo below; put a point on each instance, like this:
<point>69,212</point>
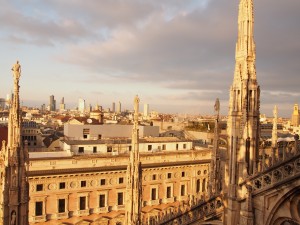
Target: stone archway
<point>286,221</point>
<point>287,209</point>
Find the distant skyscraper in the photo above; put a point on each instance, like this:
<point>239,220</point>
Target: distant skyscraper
<point>81,105</point>
<point>113,107</point>
<point>52,103</point>
<point>8,98</point>
<point>119,108</point>
<point>146,110</point>
<point>2,103</point>
<point>62,105</point>
<point>43,107</point>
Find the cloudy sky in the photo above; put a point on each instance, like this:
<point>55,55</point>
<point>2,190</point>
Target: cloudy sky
<point>177,55</point>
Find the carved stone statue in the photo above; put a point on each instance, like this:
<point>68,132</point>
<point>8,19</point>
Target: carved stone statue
<point>13,218</point>
<point>275,111</point>
<point>136,103</point>
<point>16,70</point>
<point>217,106</point>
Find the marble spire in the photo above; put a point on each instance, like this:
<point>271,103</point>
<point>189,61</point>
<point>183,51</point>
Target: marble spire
<point>134,175</point>
<point>14,164</point>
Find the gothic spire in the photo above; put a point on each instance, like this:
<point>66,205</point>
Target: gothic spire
<point>14,183</point>
<point>134,173</point>
<point>245,46</point>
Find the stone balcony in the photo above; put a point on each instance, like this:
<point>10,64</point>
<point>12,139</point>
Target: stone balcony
<point>168,200</point>
<point>84,212</point>
<point>183,198</point>
<point>41,218</point>
<point>118,207</point>
<point>100,210</point>
<point>154,202</point>
<point>63,215</point>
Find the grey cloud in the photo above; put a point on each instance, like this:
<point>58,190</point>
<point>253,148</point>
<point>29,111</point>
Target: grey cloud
<point>164,51</point>
<point>172,43</point>
<point>36,29</point>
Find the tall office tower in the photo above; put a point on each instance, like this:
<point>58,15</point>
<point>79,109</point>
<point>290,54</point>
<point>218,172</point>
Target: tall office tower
<point>8,99</point>
<point>81,105</point>
<point>14,196</point>
<point>133,204</point>
<point>295,116</point>
<point>62,106</point>
<point>52,104</point>
<point>43,107</point>
<point>119,110</point>
<point>2,103</point>
<point>243,118</point>
<point>113,107</point>
<point>146,110</point>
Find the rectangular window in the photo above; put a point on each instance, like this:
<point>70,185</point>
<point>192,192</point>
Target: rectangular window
<point>82,203</point>
<point>163,147</point>
<point>121,180</point>
<point>85,136</point>
<point>184,146</point>
<point>81,149</point>
<point>149,147</point>
<point>62,185</point>
<point>95,149</point>
<point>109,148</point>
<point>169,192</point>
<point>169,175</point>
<point>39,187</point>
<point>61,205</point>
<point>38,208</point>
<point>120,198</point>
<point>198,186</point>
<point>101,201</point>
<point>83,183</point>
<point>182,174</point>
<point>154,177</point>
<point>182,190</point>
<point>102,182</point>
<point>153,194</point>
<point>176,146</point>
<point>129,147</point>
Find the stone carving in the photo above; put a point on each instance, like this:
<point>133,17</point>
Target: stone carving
<point>13,218</point>
<point>217,106</point>
<point>16,70</point>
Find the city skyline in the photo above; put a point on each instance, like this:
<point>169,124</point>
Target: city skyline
<point>172,54</point>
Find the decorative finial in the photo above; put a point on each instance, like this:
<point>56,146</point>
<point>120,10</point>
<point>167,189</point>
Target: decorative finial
<point>136,103</point>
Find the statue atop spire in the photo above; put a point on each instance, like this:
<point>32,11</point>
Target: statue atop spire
<point>16,70</point>
<point>14,162</point>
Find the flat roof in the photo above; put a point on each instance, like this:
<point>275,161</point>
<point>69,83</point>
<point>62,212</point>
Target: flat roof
<point>110,168</point>
<point>125,141</point>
